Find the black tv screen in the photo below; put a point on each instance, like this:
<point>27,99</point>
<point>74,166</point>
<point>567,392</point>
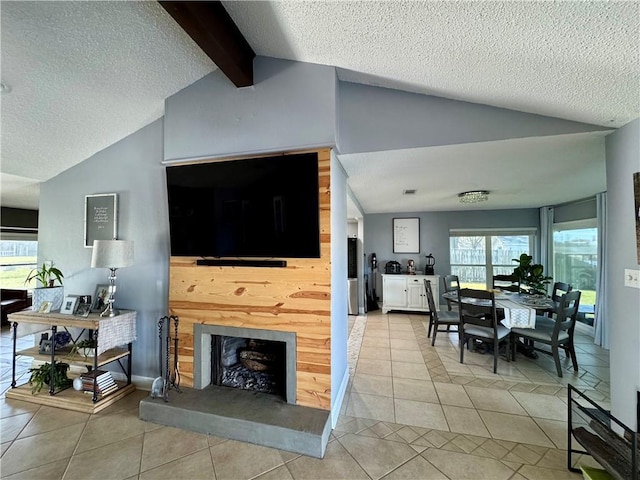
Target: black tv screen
<point>259,207</point>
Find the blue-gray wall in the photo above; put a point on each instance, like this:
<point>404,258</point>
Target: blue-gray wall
<point>623,306</point>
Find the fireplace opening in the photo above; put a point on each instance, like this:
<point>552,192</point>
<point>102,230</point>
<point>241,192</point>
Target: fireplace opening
<point>249,364</point>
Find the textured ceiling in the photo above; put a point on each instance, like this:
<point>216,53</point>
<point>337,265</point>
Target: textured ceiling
<point>86,74</point>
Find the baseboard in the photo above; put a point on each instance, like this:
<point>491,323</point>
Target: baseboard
<point>337,405</point>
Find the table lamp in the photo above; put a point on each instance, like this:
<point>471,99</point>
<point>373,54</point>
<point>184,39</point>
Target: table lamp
<point>111,254</point>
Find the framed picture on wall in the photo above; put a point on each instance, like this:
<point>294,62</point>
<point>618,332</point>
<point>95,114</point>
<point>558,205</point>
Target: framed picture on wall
<point>100,218</point>
<point>406,235</point>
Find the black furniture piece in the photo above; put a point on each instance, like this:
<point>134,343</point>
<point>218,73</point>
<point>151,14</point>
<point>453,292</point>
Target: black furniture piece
<point>479,321</point>
<point>451,284</point>
<point>13,300</point>
<point>437,322</point>
<point>558,334</point>
<point>507,283</point>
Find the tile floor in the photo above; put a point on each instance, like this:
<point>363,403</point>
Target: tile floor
<point>411,411</point>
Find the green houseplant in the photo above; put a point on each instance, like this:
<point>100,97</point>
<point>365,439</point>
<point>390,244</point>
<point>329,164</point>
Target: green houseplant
<point>531,275</point>
<point>45,374</point>
<point>46,275</point>
<point>85,347</point>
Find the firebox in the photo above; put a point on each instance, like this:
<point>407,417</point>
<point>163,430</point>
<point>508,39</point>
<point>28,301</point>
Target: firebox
<point>245,358</point>
<point>249,364</point>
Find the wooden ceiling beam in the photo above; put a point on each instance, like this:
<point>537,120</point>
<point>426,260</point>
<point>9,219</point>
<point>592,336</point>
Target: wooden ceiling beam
<point>211,27</point>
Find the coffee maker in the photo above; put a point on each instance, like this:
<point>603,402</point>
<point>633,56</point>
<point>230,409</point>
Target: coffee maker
<point>428,268</point>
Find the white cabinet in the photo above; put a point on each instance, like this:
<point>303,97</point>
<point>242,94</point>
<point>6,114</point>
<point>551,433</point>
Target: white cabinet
<point>407,292</point>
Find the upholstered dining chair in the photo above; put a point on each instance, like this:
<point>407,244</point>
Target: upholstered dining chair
<point>438,322</point>
<point>479,321</point>
<point>508,283</point>
<point>557,334</point>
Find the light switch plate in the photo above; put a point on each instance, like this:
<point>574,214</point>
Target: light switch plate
<point>631,278</point>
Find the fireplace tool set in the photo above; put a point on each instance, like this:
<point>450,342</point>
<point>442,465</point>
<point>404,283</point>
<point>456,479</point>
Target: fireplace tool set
<point>169,374</point>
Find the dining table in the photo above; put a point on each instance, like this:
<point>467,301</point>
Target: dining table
<point>514,310</point>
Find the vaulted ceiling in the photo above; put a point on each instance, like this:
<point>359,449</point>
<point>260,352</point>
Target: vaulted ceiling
<point>82,75</point>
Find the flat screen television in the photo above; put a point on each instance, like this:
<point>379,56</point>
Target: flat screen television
<point>259,207</point>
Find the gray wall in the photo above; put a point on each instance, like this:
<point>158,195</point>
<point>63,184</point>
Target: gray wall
<point>623,306</point>
<point>132,169</point>
<point>434,234</point>
<point>374,119</point>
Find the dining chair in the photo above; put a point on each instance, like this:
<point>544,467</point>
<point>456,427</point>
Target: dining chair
<point>479,321</point>
<point>437,322</point>
<point>559,289</point>
<point>558,334</point>
<point>451,284</point>
<point>508,283</point>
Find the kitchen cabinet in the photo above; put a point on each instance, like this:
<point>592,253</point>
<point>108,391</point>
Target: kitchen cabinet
<point>407,292</point>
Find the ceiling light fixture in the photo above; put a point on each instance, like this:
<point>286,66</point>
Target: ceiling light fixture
<point>474,196</point>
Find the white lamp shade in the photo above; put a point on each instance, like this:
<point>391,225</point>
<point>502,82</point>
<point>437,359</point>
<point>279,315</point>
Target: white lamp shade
<point>112,253</point>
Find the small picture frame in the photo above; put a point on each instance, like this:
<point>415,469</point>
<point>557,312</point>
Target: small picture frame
<point>45,346</point>
<point>83,310</point>
<point>69,305</point>
<point>45,307</point>
<point>100,297</point>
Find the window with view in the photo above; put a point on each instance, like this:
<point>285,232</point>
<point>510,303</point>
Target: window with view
<point>17,259</point>
<point>477,256</point>
<point>575,261</point>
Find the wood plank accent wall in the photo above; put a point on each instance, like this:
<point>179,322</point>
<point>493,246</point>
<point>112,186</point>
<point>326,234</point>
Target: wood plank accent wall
<point>292,299</point>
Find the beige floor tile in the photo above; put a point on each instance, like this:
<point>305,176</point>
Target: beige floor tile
<point>542,406</point>
<point>110,429</point>
<point>233,460</point>
<point>50,446</point>
<point>373,367</point>
<point>514,428</point>
<point>50,418</point>
<point>531,472</point>
<point>452,394</point>
<point>375,342</point>
<point>375,353</point>
<point>420,414</point>
<point>494,400</point>
<point>278,473</point>
<point>119,460</point>
<point>376,456</point>
<point>10,427</point>
<point>371,406</point>
<point>409,356</point>
<point>9,408</point>
<point>337,463</point>
<point>416,468</point>
<point>417,371</point>
<point>462,466</point>
<point>403,344</point>
<point>372,384</point>
<point>556,430</point>
<point>167,444</point>
<point>405,333</point>
<point>410,389</point>
<point>465,420</point>
<point>50,471</point>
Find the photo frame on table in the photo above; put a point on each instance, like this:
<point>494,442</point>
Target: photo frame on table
<point>406,235</point>
<point>100,297</point>
<point>45,307</point>
<point>83,310</point>
<point>100,218</point>
<point>69,305</point>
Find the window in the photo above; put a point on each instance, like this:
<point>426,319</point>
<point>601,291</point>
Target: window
<point>17,258</point>
<point>575,261</point>
<point>477,256</point>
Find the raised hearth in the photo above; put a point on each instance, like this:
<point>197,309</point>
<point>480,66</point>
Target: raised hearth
<point>247,416</point>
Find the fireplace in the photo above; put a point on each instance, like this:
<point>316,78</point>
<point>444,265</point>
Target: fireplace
<point>245,358</point>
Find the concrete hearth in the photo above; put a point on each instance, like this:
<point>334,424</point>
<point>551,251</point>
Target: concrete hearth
<point>252,417</point>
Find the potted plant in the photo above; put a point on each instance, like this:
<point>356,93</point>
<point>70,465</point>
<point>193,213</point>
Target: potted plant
<point>531,275</point>
<point>46,275</point>
<point>45,374</point>
<point>85,347</point>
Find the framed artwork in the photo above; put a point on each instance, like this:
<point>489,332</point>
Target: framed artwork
<point>406,235</point>
<point>69,304</point>
<point>100,218</point>
<point>100,298</point>
<point>636,210</point>
<point>45,307</point>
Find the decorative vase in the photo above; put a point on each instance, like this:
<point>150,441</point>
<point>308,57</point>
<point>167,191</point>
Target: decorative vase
<point>55,295</point>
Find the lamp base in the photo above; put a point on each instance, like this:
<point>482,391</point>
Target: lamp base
<point>109,312</point>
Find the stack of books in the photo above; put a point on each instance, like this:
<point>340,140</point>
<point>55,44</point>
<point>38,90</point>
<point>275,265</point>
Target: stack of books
<point>105,382</point>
